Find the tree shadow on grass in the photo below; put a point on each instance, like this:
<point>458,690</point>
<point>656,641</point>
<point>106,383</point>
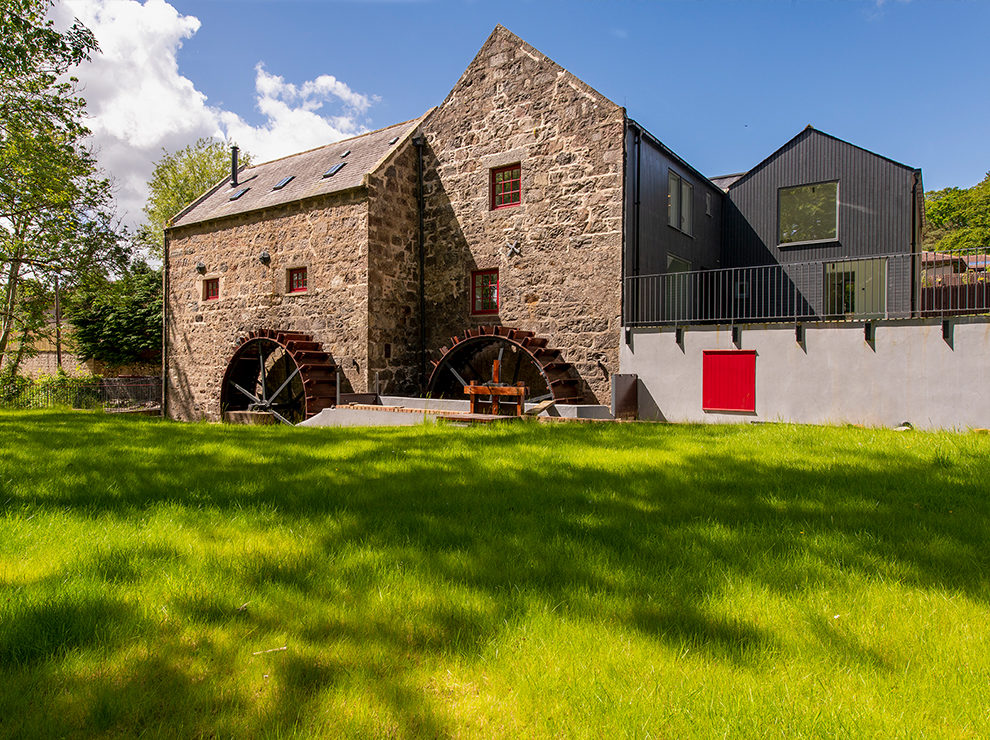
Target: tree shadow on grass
<point>639,526</point>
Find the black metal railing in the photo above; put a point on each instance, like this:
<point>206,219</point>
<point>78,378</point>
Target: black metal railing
<point>926,284</point>
<point>107,393</point>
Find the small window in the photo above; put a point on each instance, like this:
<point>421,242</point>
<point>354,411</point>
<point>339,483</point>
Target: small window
<point>297,280</point>
<point>211,289</point>
<point>283,182</point>
<point>808,213</point>
<point>484,291</point>
<point>334,170</point>
<point>393,140</point>
<point>680,203</point>
<point>506,186</point>
<point>345,154</point>
<point>238,194</point>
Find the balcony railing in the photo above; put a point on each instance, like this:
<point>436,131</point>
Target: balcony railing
<point>897,286</point>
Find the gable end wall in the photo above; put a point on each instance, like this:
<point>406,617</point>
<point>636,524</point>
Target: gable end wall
<point>512,104</point>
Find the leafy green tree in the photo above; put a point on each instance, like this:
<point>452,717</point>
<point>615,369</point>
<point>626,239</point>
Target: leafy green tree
<point>56,221</point>
<point>119,321</point>
<point>958,218</point>
<point>178,179</point>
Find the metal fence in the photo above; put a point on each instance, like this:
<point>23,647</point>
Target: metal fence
<point>108,393</point>
<point>926,284</point>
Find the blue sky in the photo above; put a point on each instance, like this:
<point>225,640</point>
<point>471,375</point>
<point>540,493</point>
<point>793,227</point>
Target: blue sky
<point>721,83</point>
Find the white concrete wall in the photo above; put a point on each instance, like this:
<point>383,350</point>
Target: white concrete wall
<point>909,373</point>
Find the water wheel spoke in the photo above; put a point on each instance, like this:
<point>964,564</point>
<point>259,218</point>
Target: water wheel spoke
<point>515,373</point>
<point>457,375</point>
<point>281,418</point>
<point>264,381</point>
<point>283,386</point>
<point>249,395</point>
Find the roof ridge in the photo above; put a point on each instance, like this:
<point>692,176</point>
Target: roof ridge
<point>333,143</point>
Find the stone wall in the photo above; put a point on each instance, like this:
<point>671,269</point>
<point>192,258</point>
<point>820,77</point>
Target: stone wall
<point>511,105</point>
<point>45,363</point>
<point>327,235</point>
<point>393,283</point>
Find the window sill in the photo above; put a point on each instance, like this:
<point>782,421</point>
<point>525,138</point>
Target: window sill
<point>688,234</point>
<point>810,243</point>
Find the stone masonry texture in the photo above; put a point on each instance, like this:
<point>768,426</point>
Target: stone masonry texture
<point>328,236</point>
<point>514,105</point>
<point>360,246</point>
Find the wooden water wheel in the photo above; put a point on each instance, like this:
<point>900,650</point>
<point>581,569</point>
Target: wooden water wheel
<point>522,357</point>
<point>285,374</point>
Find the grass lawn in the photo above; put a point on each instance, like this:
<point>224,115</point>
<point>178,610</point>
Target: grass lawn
<point>525,581</point>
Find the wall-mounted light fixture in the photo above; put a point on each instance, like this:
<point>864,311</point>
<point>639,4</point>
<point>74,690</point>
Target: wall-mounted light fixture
<point>200,267</point>
<point>264,258</point>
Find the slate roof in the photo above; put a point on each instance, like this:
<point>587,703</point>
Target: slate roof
<point>724,181</point>
<point>367,151</point>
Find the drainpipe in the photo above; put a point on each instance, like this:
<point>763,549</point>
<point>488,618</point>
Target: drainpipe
<point>165,325</point>
<point>915,262</point>
<point>233,166</point>
<point>419,142</point>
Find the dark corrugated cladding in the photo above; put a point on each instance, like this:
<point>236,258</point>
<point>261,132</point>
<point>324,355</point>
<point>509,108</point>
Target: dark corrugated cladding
<point>876,215</point>
<point>650,238</point>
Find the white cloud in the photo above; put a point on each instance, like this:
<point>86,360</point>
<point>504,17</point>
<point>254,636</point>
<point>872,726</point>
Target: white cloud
<point>294,122</point>
<point>139,103</point>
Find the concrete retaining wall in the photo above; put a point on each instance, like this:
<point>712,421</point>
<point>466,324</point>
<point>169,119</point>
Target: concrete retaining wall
<point>908,373</point>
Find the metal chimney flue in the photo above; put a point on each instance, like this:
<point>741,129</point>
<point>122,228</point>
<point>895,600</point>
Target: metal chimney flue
<point>233,166</point>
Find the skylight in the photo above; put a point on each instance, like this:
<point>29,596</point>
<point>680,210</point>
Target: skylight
<point>334,170</point>
<point>283,182</point>
<point>238,194</point>
<point>393,140</point>
<point>345,154</point>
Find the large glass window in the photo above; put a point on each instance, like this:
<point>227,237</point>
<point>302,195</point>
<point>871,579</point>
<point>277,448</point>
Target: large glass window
<point>680,203</point>
<point>856,288</point>
<point>808,213</point>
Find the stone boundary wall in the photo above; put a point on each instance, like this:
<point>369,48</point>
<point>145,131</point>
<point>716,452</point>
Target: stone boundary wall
<point>908,373</point>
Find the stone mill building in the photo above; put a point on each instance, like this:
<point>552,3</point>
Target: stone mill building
<point>498,212</point>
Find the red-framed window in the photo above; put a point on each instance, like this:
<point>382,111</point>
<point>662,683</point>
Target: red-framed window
<point>211,289</point>
<point>506,186</point>
<point>728,380</point>
<point>484,291</point>
<point>297,280</point>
